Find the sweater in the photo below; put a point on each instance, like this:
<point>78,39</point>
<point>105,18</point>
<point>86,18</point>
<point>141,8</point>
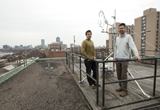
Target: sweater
<point>122,46</point>
<point>87,49</point>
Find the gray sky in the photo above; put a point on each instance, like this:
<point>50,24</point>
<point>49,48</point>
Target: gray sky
<point>26,22</point>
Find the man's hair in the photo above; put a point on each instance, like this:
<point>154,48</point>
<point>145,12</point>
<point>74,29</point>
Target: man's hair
<point>122,24</point>
<point>88,32</point>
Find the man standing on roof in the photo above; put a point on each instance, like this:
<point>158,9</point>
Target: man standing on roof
<point>124,42</point>
<point>88,50</point>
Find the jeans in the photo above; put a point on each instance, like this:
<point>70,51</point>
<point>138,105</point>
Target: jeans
<point>90,65</point>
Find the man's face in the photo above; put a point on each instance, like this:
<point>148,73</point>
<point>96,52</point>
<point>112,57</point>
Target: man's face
<point>89,35</point>
<point>122,29</point>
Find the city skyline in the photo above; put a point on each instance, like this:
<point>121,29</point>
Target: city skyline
<point>27,22</point>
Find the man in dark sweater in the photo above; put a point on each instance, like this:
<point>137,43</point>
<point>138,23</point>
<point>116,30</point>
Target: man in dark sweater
<point>88,50</point>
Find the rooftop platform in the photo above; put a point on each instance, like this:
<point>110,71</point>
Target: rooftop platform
<point>135,98</point>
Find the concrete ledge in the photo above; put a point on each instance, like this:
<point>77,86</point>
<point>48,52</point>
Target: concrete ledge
<point>50,59</point>
<point>11,73</point>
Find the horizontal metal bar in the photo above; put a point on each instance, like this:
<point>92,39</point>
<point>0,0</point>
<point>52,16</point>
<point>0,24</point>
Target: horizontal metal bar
<point>127,60</point>
<point>131,79</point>
<point>115,60</point>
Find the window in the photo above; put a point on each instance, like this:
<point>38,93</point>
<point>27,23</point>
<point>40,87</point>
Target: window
<point>144,18</point>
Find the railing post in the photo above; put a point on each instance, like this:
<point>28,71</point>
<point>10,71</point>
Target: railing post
<point>69,59</point>
<point>155,76</point>
<point>72,60</point>
<point>66,58</point>
<point>80,68</point>
<point>97,74</point>
<point>103,88</point>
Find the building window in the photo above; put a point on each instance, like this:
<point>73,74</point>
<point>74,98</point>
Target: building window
<point>144,18</point>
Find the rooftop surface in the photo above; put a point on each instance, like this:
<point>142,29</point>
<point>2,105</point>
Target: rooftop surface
<point>40,88</point>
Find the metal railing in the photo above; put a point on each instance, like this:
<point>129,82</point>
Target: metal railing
<point>70,61</point>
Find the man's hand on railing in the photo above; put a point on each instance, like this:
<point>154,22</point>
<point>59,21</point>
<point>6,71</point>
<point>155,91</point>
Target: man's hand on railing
<point>114,59</point>
<point>137,57</point>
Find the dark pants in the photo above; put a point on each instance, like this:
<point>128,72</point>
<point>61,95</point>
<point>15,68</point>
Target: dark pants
<point>122,74</point>
<point>90,65</point>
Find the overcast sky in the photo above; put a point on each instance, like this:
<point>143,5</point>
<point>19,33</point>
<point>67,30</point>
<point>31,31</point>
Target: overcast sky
<point>26,22</point>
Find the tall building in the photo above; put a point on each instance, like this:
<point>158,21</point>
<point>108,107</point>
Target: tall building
<point>61,42</point>
<point>149,21</point>
<point>58,39</point>
<point>107,45</point>
<point>129,30</point>
<point>42,44</point>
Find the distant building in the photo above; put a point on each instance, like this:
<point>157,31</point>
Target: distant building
<point>149,21</point>
<point>61,42</point>
<point>55,46</point>
<point>38,47</point>
<point>107,45</point>
<point>64,47</point>
<point>6,47</point>
<point>42,44</point>
<point>58,39</point>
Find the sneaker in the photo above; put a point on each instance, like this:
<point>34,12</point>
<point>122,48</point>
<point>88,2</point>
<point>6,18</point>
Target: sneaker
<point>123,93</point>
<point>119,89</point>
<point>93,86</point>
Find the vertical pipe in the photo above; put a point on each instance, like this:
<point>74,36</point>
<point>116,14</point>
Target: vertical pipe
<point>103,89</point>
<point>97,74</point>
<point>114,35</point>
<point>80,68</point>
<point>155,76</point>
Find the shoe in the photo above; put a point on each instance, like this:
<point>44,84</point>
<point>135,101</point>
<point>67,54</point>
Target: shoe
<point>119,89</point>
<point>98,85</point>
<point>92,86</point>
<point>123,93</point>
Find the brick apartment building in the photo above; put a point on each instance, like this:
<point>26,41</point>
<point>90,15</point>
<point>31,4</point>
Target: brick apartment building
<point>149,21</point>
